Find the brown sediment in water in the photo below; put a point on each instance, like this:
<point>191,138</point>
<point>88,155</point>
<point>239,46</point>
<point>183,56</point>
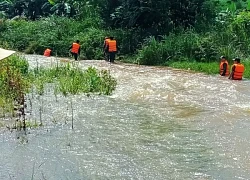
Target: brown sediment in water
<point>159,123</point>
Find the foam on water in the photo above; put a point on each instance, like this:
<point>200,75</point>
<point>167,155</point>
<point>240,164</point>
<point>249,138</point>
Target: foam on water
<point>160,123</point>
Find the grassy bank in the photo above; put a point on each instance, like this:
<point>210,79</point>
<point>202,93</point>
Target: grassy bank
<point>230,39</point>
<point>179,48</point>
<point>207,68</point>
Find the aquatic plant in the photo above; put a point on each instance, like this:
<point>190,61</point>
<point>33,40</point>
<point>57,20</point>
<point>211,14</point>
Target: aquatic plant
<point>14,86</point>
<point>17,81</point>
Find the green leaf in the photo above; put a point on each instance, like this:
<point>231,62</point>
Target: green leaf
<point>52,2</point>
<point>248,5</point>
<point>232,7</point>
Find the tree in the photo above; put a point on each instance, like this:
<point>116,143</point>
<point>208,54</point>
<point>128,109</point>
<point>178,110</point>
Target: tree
<point>161,14</point>
<point>34,9</point>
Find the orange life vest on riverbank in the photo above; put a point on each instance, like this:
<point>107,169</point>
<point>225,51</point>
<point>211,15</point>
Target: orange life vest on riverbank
<point>112,46</point>
<point>238,72</point>
<point>47,52</point>
<point>221,68</point>
<point>75,48</point>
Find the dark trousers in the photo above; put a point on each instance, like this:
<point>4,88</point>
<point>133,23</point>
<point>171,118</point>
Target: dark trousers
<point>75,55</point>
<point>112,56</point>
<point>106,53</point>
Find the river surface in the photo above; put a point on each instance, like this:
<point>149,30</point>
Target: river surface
<point>159,124</point>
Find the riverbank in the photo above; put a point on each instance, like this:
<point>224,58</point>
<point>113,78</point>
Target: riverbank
<point>33,37</point>
<point>210,68</point>
<point>207,68</point>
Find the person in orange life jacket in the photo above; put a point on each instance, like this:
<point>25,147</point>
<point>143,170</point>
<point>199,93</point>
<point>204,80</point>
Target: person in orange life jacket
<point>106,54</point>
<point>237,70</point>
<point>47,52</point>
<point>112,49</point>
<point>224,66</point>
<point>75,49</point>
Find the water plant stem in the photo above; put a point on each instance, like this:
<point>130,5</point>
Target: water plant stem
<point>72,114</point>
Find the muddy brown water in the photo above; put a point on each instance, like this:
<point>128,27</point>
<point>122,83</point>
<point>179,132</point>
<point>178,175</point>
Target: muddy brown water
<point>159,124</point>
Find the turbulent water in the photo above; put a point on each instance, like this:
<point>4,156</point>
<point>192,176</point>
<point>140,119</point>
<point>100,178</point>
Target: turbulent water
<point>159,124</point>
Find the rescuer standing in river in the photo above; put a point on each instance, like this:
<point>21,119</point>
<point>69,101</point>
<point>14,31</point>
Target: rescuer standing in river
<point>224,66</point>
<point>237,70</point>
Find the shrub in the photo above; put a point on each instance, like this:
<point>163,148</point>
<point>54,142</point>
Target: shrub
<point>58,33</point>
<point>189,45</point>
<point>55,32</point>
<point>91,41</point>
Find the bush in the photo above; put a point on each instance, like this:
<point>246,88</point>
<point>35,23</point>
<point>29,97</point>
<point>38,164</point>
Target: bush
<point>58,33</point>
<point>189,45</point>
<point>230,38</point>
<point>91,41</point>
<point>129,40</point>
<point>247,69</point>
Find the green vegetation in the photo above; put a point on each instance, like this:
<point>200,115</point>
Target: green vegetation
<point>70,79</point>
<point>58,33</point>
<point>36,25</point>
<point>207,68</point>
<point>13,81</point>
<point>147,32</point>
<point>231,39</point>
<point>16,80</point>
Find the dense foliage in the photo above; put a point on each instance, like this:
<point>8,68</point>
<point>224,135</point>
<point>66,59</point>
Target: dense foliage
<point>162,15</point>
<point>153,32</point>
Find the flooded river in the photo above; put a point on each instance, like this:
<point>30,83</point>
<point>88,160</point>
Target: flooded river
<point>159,124</point>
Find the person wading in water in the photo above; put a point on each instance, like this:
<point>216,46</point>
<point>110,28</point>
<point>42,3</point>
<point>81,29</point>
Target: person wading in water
<point>224,66</point>
<point>237,70</point>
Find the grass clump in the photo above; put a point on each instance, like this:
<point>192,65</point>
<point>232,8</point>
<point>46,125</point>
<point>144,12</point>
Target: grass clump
<point>69,79</point>
<point>14,82</point>
<point>207,68</point>
<point>17,80</point>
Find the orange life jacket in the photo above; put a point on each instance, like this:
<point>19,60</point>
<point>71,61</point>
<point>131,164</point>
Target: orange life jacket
<point>75,48</point>
<point>47,52</point>
<point>238,72</point>
<point>221,68</point>
<point>106,42</point>
<point>112,46</point>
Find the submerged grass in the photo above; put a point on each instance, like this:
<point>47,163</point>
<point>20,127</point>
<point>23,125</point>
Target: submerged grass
<point>73,80</point>
<point>17,80</point>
